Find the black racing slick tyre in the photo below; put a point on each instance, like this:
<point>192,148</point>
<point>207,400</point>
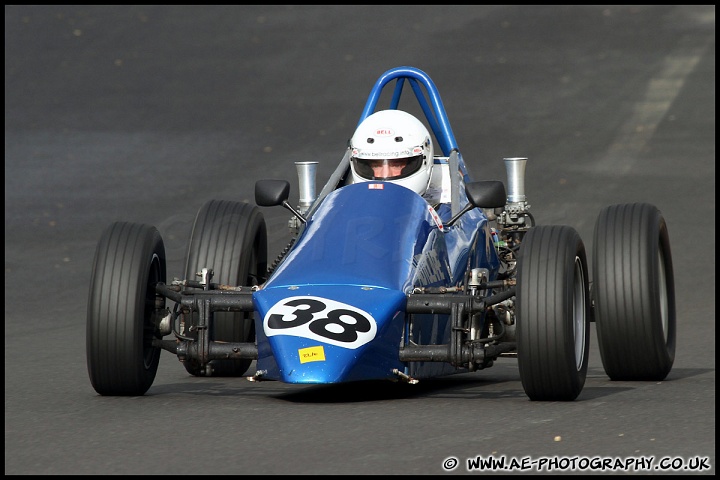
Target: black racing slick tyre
<point>553,308</point>
<point>634,292</point>
<point>129,261</point>
<point>229,238</point>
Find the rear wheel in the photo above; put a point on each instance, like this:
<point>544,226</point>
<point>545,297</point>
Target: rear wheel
<point>552,313</point>
<point>229,238</point>
<point>634,292</point>
<point>129,261</point>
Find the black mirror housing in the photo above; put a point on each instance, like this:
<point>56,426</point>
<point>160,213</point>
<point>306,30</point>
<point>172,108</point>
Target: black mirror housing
<point>270,193</point>
<point>486,194</point>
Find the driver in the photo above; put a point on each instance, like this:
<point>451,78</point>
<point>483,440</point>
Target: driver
<point>393,146</point>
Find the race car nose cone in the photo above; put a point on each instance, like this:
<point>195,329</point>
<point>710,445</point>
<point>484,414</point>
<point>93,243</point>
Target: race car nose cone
<point>329,334</point>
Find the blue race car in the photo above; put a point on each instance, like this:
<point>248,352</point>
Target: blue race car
<point>364,292</point>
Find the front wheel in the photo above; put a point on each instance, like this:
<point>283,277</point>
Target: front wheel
<point>634,292</point>
<point>129,261</point>
<point>553,306</point>
<point>229,238</point>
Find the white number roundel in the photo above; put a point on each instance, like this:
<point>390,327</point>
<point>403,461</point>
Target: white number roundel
<point>321,319</point>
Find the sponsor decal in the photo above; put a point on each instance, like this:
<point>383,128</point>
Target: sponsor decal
<point>321,319</point>
<point>364,155</point>
<point>429,268</point>
<point>390,154</point>
<point>384,132</point>
<point>375,186</point>
<point>312,354</point>
<point>436,217</point>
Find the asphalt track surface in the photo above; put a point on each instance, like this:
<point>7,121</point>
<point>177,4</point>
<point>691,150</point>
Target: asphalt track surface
<point>144,113</point>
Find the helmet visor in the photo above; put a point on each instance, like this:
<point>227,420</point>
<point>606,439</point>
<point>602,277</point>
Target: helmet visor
<point>387,169</point>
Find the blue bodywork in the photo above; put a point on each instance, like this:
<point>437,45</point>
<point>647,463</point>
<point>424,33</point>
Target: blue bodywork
<point>333,310</point>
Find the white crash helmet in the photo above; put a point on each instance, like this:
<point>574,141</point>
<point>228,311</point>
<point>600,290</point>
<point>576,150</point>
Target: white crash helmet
<point>393,135</point>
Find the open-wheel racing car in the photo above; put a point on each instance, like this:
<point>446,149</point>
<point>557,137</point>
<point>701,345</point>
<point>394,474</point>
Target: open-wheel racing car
<point>365,292</point>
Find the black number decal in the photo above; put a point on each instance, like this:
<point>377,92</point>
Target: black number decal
<point>331,321</point>
<point>301,315</point>
<point>349,331</point>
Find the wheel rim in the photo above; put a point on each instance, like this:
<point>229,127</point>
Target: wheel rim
<point>579,309</point>
<point>154,276</point>
<point>662,288</point>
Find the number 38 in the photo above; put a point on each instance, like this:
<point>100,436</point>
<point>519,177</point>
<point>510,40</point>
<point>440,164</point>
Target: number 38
<point>339,324</point>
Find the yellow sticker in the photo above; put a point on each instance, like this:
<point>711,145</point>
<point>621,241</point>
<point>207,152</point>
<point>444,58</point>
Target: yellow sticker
<point>312,354</point>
